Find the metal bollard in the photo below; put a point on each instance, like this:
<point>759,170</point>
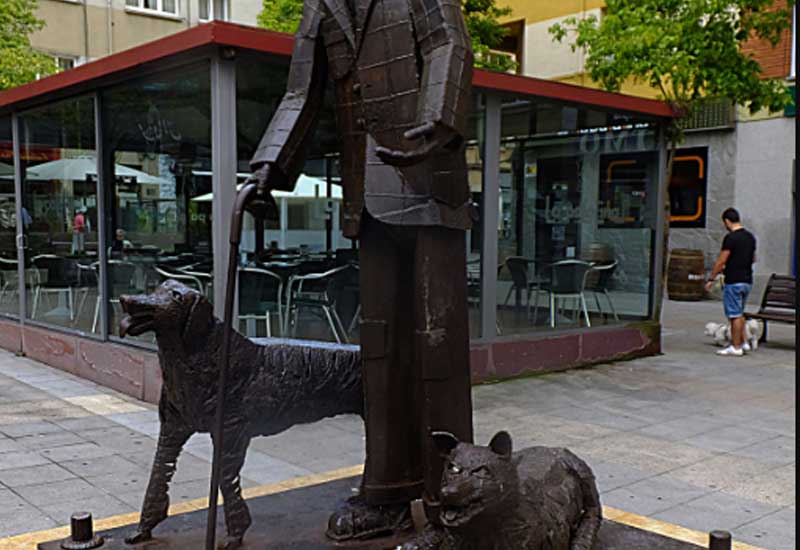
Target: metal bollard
<point>719,540</point>
<point>82,535</point>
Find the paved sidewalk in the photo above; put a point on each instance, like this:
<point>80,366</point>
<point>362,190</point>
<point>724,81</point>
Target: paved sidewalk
<point>688,438</point>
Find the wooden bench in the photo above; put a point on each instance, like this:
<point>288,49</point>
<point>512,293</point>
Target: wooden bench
<point>778,303</point>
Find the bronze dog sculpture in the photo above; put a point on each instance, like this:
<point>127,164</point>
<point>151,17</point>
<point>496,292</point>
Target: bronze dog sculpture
<point>270,388</point>
<point>540,498</point>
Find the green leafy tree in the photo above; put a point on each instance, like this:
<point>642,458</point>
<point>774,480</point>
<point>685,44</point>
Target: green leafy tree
<point>481,16</point>
<point>19,63</point>
<point>688,50</point>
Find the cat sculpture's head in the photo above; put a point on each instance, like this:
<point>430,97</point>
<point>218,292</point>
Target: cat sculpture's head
<point>478,483</point>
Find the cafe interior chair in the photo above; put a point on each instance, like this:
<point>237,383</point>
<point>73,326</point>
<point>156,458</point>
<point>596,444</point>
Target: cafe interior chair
<point>62,277</point>
<point>189,279</point>
<point>120,281</point>
<point>260,296</point>
<point>601,284</point>
<point>317,291</point>
<point>568,282</point>
<point>523,281</point>
<point>9,278</point>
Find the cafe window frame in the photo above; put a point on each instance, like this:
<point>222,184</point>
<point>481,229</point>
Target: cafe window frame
<point>695,160</point>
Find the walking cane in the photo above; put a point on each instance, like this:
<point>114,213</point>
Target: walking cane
<point>256,200</point>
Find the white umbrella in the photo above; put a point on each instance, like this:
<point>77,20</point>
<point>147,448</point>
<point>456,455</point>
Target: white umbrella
<point>78,168</point>
<point>6,169</point>
<point>306,187</point>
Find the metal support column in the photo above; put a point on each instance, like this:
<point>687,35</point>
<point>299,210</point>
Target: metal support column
<point>489,219</point>
<point>658,249</point>
<point>223,167</point>
<point>20,240</point>
<point>104,172</point>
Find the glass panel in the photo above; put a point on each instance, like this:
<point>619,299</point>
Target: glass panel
<point>151,4</point>
<point>474,153</point>
<point>204,10</point>
<point>158,136</point>
<point>134,3</point>
<point>59,193</point>
<point>687,188</point>
<point>9,278</point>
<point>170,6</point>
<point>577,217</point>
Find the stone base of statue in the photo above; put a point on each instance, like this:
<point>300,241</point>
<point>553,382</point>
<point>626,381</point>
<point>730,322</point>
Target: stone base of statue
<point>296,520</point>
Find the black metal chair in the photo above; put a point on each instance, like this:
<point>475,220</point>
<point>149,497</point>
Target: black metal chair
<point>317,291</point>
<point>260,295</point>
<point>61,277</point>
<point>120,281</point>
<point>522,281</point>
<point>568,282</point>
<point>601,284</point>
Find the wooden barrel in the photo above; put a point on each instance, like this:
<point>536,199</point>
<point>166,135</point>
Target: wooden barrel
<point>599,254</point>
<point>686,275</point>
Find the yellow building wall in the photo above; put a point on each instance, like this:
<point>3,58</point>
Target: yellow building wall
<point>533,11</point>
<point>545,58</point>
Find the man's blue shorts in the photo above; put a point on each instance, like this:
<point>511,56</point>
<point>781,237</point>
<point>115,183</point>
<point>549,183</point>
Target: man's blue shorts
<point>734,297</point>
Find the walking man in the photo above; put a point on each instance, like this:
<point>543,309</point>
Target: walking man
<point>735,260</point>
<point>402,75</point>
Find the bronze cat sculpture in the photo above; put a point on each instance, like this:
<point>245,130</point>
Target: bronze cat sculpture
<point>270,388</point>
<point>540,498</point>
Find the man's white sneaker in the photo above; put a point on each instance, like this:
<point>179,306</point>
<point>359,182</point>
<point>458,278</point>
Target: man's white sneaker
<point>745,347</point>
<point>730,350</point>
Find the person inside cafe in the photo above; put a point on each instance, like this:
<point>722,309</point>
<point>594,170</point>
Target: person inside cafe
<point>120,242</point>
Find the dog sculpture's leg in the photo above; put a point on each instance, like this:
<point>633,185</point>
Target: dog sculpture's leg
<point>237,516</point>
<point>171,439</point>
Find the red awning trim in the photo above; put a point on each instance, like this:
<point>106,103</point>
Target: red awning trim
<point>253,38</point>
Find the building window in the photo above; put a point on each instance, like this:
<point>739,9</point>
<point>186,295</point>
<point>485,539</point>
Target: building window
<point>64,63</point>
<point>687,189</point>
<point>206,9</point>
<point>169,7</point>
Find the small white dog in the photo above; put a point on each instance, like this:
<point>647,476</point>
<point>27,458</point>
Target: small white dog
<point>721,332</point>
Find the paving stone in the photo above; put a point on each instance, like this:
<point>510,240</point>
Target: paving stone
<point>652,495</point>
<point>719,471</point>
<point>774,486</point>
<point>29,428</point>
<point>774,531</point>
<point>728,438</point>
<point>715,511</point>
<point>93,467</point>
<point>84,424</point>
<point>21,459</point>
<point>610,476</point>
<point>58,491</point>
<point>778,451</point>
<point>682,428</point>
<point>80,451</point>
<point>101,506</point>
<point>24,520</point>
<point>34,475</point>
<point>41,442</point>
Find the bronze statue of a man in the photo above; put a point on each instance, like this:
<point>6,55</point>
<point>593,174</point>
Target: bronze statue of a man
<point>402,73</point>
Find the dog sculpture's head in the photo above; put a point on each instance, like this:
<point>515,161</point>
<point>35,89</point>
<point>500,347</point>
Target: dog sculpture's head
<point>172,308</point>
<point>478,483</point>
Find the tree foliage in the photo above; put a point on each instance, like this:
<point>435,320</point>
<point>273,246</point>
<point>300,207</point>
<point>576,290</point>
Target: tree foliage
<point>19,63</point>
<point>481,17</point>
<point>686,49</point>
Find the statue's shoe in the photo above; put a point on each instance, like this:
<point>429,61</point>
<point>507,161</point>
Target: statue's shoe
<point>356,520</point>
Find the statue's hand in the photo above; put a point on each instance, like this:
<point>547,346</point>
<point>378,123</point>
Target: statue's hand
<point>261,177</point>
<point>430,137</point>
<point>263,204</point>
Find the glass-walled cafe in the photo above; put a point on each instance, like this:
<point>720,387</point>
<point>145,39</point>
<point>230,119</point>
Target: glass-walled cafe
<point>121,174</point>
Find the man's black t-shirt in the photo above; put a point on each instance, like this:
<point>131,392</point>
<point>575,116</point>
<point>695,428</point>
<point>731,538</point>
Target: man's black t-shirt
<point>739,267</point>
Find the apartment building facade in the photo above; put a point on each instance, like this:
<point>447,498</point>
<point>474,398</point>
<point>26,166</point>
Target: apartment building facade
<point>729,157</point>
<point>77,31</point>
